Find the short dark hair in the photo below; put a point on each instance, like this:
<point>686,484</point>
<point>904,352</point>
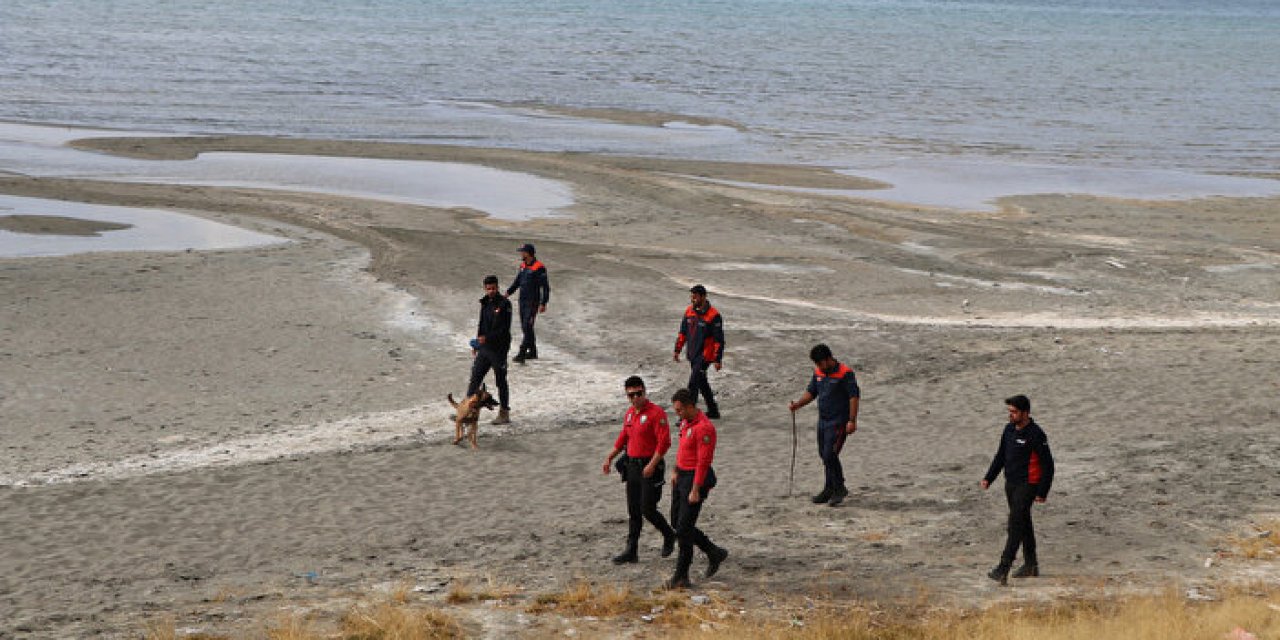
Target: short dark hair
<point>820,352</point>
<point>491,279</point>
<point>1019,402</point>
<point>683,396</point>
<point>698,289</point>
<point>633,382</point>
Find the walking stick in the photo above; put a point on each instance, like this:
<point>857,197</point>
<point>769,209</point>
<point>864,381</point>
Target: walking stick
<point>792,477</point>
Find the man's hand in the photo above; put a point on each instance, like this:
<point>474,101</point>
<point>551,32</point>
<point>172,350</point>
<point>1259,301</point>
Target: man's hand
<point>851,427</point>
<point>985,484</point>
<point>694,495</point>
<point>794,405</point>
<point>718,365</point>
<point>1040,499</point>
<point>649,470</point>
<point>675,357</point>
<point>673,478</point>
<point>542,308</point>
<point>480,339</point>
<point>607,465</point>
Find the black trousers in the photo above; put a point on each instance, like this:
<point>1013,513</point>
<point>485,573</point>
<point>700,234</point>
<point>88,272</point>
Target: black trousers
<point>528,314</point>
<point>643,495</point>
<point>698,382</point>
<point>830,442</point>
<point>1021,496</point>
<point>685,518</point>
<point>490,358</point>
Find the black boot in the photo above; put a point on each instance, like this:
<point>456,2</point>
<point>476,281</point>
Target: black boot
<point>1028,570</point>
<point>531,354</point>
<point>717,555</point>
<point>678,582</point>
<point>668,545</point>
<point>520,357</point>
<point>823,496</point>
<point>627,556</point>
<point>713,410</point>
<point>838,496</point>
<point>1000,574</point>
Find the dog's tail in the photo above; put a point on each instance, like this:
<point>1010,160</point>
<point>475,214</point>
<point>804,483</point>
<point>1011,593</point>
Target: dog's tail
<point>451,400</point>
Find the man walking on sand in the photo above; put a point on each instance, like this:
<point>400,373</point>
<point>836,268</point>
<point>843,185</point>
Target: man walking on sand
<point>836,389</point>
<point>692,481</point>
<point>1028,472</point>
<point>702,330</point>
<point>646,437</point>
<point>535,292</point>
<point>493,341</point>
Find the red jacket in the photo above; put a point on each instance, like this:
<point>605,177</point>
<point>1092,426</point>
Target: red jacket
<point>644,432</point>
<point>704,333</point>
<point>697,447</point>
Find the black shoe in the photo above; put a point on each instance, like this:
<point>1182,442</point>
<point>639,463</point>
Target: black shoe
<point>822,497</point>
<point>520,358</point>
<point>678,582</point>
<point>668,545</point>
<point>1027,571</point>
<point>838,497</point>
<point>531,355</point>
<point>713,412</point>
<point>714,559</point>
<point>626,557</point>
<point>1000,574</point>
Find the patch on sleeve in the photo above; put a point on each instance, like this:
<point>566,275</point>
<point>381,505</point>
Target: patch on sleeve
<point>706,439</point>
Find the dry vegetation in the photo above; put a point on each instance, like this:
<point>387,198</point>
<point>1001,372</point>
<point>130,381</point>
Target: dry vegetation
<point>1262,544</point>
<point>1239,614</point>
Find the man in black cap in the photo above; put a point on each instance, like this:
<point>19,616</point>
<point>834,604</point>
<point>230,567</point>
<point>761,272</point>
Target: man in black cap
<point>493,341</point>
<point>702,330</point>
<point>535,291</point>
<point>1028,472</point>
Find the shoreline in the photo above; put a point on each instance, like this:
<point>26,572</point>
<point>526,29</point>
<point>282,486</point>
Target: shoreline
<point>1134,413</point>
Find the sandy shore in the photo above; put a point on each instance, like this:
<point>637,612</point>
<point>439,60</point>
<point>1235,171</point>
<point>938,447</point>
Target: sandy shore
<point>215,435</point>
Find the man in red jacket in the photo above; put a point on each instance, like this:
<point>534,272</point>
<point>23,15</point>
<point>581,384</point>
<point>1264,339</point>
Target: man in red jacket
<point>702,332</point>
<point>692,480</point>
<point>646,437</point>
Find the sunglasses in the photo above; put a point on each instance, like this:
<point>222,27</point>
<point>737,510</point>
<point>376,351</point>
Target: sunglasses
<point>634,394</point>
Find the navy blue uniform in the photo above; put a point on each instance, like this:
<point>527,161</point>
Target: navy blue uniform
<point>833,391</point>
<point>535,291</point>
<point>1027,463</point>
<point>495,328</point>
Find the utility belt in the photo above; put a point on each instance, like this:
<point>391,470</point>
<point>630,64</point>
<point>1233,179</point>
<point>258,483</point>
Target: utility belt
<point>689,473</point>
<point>628,465</point>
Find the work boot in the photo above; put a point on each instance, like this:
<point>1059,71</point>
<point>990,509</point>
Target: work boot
<point>714,559</point>
<point>626,557</point>
<point>1027,571</point>
<point>520,357</point>
<point>531,354</point>
<point>838,496</point>
<point>504,417</point>
<point>823,496</point>
<point>678,582</point>
<point>668,545</point>
<point>1000,574</point>
<point>713,411</point>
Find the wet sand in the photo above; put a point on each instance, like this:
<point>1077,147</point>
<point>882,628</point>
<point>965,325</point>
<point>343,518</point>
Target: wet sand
<point>214,435</point>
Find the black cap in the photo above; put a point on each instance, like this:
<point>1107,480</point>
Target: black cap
<point>526,247</point>
<point>698,289</point>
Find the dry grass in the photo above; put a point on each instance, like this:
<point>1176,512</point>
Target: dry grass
<point>1264,544</point>
<point>464,591</point>
<point>674,615</point>
<point>1165,617</point>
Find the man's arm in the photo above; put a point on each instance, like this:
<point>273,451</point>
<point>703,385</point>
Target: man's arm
<point>853,415</point>
<point>805,398</point>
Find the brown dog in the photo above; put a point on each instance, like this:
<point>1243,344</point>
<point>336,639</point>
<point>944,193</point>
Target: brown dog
<point>468,415</point>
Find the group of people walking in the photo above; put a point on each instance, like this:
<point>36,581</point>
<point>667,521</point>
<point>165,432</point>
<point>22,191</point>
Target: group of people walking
<point>638,453</point>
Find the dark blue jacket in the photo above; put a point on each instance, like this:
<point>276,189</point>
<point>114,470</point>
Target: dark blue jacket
<point>532,281</point>
<point>833,391</point>
<point>495,323</point>
<point>1024,456</point>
